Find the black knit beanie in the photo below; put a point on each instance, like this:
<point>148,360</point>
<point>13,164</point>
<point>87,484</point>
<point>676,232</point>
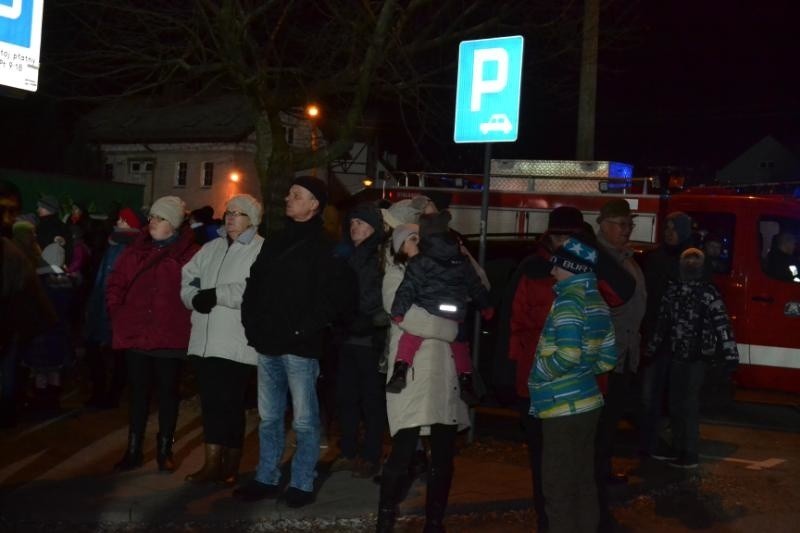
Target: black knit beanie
<point>316,187</point>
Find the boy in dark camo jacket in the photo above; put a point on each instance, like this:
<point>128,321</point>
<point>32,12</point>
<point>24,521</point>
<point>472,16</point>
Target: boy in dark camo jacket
<point>693,326</point>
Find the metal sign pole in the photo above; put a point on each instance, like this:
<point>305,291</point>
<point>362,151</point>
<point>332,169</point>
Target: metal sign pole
<point>476,334</point>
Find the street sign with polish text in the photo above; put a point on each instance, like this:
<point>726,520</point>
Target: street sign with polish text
<point>20,40</point>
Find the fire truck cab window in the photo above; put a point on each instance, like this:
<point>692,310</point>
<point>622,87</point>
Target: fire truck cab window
<point>779,250</point>
<point>714,232</point>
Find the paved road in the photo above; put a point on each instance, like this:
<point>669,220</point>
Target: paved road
<point>56,476</point>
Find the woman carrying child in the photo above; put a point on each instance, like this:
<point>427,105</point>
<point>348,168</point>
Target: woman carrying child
<point>439,282</point>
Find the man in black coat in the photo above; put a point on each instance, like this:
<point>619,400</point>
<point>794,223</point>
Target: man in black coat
<point>295,291</point>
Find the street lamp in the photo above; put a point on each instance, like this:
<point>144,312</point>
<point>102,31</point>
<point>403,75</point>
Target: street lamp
<point>312,112</point>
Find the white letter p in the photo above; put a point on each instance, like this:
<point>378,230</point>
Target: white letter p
<point>481,86</point>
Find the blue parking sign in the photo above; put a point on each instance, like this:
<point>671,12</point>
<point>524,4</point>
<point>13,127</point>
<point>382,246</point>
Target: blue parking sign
<point>20,43</point>
<point>15,22</point>
<point>488,90</point>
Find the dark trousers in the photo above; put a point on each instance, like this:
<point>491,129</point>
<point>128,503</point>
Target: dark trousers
<point>654,382</point>
<point>404,445</point>
<point>222,384</point>
<point>360,393</point>
<point>685,382</point>
<point>616,400</point>
<point>101,361</point>
<point>532,427</point>
<point>142,368</point>
<point>568,476</point>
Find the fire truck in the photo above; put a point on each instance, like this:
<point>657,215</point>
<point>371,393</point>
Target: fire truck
<point>764,309</point>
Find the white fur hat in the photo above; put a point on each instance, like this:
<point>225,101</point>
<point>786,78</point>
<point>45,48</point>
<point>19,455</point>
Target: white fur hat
<point>246,204</point>
<point>170,208</point>
<point>401,212</point>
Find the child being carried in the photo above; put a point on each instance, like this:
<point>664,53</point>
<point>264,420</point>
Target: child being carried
<point>439,281</point>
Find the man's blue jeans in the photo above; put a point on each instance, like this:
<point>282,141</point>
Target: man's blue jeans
<point>296,375</point>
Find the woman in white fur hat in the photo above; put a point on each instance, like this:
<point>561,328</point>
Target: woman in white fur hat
<point>150,322</point>
<point>212,286</point>
<point>430,404</point>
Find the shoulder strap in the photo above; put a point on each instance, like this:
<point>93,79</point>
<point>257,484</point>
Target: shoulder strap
<point>150,264</point>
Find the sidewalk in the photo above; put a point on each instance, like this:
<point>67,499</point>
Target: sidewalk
<point>61,473</point>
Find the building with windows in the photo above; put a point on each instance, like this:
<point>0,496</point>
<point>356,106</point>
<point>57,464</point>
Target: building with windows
<point>202,151</point>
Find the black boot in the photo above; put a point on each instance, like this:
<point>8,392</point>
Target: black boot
<point>419,465</point>
<point>166,462</point>
<point>393,488</point>
<point>436,498</point>
<point>398,380</point>
<point>133,455</point>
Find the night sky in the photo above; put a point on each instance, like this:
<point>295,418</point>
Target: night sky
<point>710,80</point>
<point>693,85</point>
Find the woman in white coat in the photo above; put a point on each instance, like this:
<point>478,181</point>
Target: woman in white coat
<point>430,404</point>
<point>212,286</point>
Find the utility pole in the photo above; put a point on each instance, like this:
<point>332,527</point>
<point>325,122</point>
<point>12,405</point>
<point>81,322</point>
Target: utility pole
<point>587,93</point>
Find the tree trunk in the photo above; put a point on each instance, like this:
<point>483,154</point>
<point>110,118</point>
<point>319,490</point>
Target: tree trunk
<point>587,96</point>
<point>275,165</point>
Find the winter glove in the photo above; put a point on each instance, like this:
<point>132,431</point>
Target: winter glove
<point>487,313</point>
<point>205,300</point>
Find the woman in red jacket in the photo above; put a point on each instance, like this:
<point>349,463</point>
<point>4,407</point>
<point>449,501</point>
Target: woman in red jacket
<point>150,322</point>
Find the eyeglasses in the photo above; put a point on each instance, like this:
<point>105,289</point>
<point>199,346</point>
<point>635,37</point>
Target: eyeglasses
<point>235,214</point>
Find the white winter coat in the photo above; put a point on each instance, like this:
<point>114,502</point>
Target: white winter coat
<point>220,333</point>
<point>432,394</point>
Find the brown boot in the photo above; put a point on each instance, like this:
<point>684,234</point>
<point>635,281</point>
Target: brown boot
<point>211,467</point>
<point>229,473</point>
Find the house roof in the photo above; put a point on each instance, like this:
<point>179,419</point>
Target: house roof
<point>220,119</point>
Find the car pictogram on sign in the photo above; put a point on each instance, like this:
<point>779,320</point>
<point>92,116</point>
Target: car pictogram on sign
<point>497,122</point>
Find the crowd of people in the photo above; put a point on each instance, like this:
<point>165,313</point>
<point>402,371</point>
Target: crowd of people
<point>580,320</point>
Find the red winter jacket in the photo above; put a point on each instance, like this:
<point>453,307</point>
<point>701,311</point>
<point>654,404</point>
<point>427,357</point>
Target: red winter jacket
<point>529,308</point>
<point>143,295</point>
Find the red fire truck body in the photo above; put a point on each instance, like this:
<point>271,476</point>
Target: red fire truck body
<point>764,310</point>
